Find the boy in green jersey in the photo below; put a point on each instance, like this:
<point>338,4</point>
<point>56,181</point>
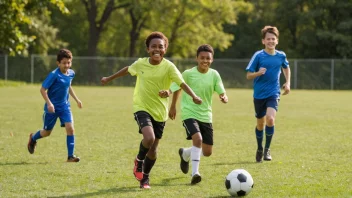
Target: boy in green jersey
<point>150,100</point>
<point>197,119</point>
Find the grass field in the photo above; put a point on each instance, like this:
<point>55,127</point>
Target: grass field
<point>311,148</point>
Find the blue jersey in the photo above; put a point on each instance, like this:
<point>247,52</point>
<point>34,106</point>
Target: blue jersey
<point>58,85</point>
<point>267,85</point>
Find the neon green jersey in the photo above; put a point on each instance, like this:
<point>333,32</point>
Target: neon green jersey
<point>150,80</point>
<point>203,85</point>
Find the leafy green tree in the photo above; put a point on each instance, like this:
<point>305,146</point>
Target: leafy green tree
<point>25,25</point>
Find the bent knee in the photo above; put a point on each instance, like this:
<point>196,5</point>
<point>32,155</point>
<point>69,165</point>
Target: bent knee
<point>270,121</point>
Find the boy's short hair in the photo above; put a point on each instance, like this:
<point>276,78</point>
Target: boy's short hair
<point>270,29</point>
<point>63,53</point>
<point>158,35</point>
<point>205,48</point>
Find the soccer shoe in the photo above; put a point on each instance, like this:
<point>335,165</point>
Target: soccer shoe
<point>73,158</point>
<point>267,156</point>
<point>184,165</point>
<point>137,170</point>
<point>144,183</point>
<point>31,144</point>
<point>196,178</point>
<point>259,156</point>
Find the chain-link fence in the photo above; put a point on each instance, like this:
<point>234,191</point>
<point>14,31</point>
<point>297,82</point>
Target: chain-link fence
<point>306,73</point>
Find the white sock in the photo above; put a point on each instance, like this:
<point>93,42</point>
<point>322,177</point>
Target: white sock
<point>186,155</point>
<point>195,156</point>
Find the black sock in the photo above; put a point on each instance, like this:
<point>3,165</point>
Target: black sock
<point>142,152</point>
<point>148,165</point>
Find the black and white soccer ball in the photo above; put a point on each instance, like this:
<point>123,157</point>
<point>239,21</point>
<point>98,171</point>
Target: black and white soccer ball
<point>239,183</point>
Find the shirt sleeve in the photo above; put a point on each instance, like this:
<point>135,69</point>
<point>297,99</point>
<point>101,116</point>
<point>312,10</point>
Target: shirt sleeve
<point>175,75</point>
<point>285,63</point>
<point>219,86</point>
<point>50,79</point>
<point>253,63</point>
<point>133,69</point>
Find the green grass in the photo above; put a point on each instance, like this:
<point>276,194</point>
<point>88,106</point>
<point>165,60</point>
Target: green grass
<point>9,83</point>
<point>311,148</point>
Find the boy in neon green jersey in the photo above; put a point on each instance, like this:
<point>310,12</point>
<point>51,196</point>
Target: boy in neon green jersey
<point>197,119</point>
<point>150,100</point>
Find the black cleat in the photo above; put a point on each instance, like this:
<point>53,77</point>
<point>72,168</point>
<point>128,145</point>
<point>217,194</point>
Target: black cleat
<point>73,158</point>
<point>144,183</point>
<point>31,144</point>
<point>196,179</point>
<point>183,164</point>
<point>259,156</point>
<point>267,156</point>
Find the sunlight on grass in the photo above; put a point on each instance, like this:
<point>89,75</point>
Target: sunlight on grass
<point>310,147</point>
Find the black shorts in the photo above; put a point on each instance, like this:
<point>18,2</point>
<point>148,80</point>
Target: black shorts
<point>260,105</point>
<point>194,126</point>
<point>145,119</point>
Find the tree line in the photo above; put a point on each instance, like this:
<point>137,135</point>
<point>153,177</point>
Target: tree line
<point>308,28</point>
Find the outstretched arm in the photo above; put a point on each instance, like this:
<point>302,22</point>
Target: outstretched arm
<point>172,112</point>
<point>73,94</point>
<point>120,73</point>
<point>190,92</point>
<point>287,85</point>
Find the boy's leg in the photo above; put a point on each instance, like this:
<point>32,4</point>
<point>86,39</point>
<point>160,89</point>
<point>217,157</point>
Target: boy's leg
<point>49,123</point>
<point>272,105</point>
<point>269,132</point>
<point>260,111</point>
<point>70,143</point>
<point>66,120</point>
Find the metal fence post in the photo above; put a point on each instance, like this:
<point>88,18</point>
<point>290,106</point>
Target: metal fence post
<point>295,75</point>
<point>332,74</point>
<point>6,67</point>
<point>32,68</point>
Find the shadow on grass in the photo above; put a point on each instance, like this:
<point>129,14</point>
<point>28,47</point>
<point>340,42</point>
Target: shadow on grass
<point>117,190</point>
<point>231,163</point>
<point>102,192</point>
<point>20,163</point>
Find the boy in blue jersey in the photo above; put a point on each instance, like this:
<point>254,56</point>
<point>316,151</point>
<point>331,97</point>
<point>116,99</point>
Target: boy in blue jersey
<point>265,69</point>
<point>150,100</point>
<point>55,91</point>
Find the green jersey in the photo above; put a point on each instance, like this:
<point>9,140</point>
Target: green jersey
<point>203,85</point>
<point>150,80</point>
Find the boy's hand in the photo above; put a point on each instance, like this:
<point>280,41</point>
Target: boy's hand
<point>51,108</point>
<point>104,80</point>
<point>224,98</point>
<point>172,113</point>
<point>286,88</point>
<point>197,100</point>
<point>79,104</point>
<point>261,71</point>
<point>164,93</point>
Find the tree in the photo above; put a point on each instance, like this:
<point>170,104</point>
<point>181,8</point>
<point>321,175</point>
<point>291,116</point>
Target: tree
<point>96,26</point>
<point>24,25</point>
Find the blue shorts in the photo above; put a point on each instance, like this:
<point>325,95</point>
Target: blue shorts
<point>50,118</point>
<point>260,105</point>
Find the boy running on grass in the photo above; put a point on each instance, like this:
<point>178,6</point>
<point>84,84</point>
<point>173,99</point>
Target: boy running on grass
<point>197,119</point>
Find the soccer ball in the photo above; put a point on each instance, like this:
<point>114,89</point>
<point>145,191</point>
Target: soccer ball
<point>239,182</point>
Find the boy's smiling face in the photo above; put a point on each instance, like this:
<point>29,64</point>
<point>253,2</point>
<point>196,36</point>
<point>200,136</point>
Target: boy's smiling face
<point>204,60</point>
<point>156,50</point>
<point>64,65</point>
<point>270,41</point>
